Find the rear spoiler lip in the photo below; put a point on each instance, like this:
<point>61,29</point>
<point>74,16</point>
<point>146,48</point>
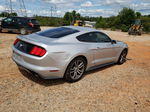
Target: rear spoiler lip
<point>23,38</point>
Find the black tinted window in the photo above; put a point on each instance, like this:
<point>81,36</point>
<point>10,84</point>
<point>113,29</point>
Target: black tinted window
<point>8,20</point>
<point>34,21</point>
<point>88,37</point>
<point>94,37</point>
<point>102,37</point>
<point>57,32</point>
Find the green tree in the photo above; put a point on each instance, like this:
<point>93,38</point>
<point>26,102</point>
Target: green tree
<point>6,14</point>
<point>146,23</point>
<point>68,18</point>
<point>74,15</point>
<point>127,16</point>
<point>138,15</point>
<point>13,14</point>
<point>71,17</point>
<point>78,16</point>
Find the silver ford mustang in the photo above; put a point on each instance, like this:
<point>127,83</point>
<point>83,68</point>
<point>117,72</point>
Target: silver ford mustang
<point>67,52</point>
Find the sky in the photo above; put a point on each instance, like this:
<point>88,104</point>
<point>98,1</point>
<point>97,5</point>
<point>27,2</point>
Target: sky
<point>94,8</point>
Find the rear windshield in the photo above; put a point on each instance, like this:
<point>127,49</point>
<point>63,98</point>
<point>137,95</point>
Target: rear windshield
<point>57,32</point>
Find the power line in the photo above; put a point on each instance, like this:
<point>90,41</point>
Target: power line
<point>22,8</point>
<point>9,7</point>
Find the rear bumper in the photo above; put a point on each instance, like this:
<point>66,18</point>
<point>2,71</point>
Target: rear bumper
<point>43,71</point>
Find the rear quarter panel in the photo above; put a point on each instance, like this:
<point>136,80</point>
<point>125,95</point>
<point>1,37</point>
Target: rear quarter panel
<point>64,53</point>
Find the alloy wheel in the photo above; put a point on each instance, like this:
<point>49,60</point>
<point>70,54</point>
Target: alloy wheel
<point>77,69</point>
<point>123,56</point>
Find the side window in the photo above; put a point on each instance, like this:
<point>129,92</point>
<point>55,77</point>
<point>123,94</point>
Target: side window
<point>18,21</point>
<point>88,37</point>
<point>14,20</point>
<point>8,20</point>
<point>102,37</point>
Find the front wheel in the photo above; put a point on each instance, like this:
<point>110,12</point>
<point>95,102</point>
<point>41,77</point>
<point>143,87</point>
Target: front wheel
<point>75,70</point>
<point>122,57</point>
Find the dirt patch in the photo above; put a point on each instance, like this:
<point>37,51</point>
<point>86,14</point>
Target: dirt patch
<point>116,88</point>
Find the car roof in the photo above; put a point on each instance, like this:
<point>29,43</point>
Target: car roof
<point>81,29</point>
<point>22,17</point>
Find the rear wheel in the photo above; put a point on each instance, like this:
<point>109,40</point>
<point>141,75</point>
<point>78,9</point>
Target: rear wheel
<point>139,33</point>
<point>0,30</point>
<point>129,33</point>
<point>122,57</point>
<point>75,70</point>
<point>23,31</point>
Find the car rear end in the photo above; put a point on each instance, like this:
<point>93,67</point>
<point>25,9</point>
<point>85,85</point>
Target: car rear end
<point>43,52</point>
<point>33,56</point>
<point>33,26</point>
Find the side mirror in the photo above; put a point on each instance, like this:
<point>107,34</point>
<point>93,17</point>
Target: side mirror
<point>113,42</point>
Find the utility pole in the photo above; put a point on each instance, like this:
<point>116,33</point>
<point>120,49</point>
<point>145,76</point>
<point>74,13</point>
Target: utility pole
<point>55,10</point>
<point>10,3</point>
<point>9,7</point>
<point>51,11</point>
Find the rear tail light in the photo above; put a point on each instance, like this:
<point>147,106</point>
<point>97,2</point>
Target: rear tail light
<point>37,51</point>
<point>29,48</point>
<point>31,24</point>
<point>16,41</point>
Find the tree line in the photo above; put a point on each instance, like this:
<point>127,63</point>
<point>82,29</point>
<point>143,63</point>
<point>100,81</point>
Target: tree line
<point>122,21</point>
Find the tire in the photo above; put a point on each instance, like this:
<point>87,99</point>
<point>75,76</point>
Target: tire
<point>122,57</point>
<point>0,29</point>
<point>23,31</point>
<point>75,69</point>
<point>139,34</point>
<point>129,33</point>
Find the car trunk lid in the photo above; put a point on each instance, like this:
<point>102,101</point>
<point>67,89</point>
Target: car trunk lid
<point>36,39</point>
<point>32,44</point>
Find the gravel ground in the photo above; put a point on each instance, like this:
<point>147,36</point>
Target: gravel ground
<point>115,88</point>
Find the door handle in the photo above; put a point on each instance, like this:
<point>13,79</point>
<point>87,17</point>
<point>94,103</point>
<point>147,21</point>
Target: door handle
<point>95,48</point>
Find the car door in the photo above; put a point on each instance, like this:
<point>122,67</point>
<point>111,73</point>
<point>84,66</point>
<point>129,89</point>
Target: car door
<point>105,49</point>
<point>90,41</point>
<point>7,23</point>
<point>15,24</point>
<point>100,47</point>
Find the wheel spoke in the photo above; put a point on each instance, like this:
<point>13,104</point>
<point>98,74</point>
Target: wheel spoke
<point>74,75</point>
<point>124,54</point>
<point>123,57</point>
<point>81,65</point>
<point>72,71</point>
<point>76,63</point>
<point>79,72</point>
